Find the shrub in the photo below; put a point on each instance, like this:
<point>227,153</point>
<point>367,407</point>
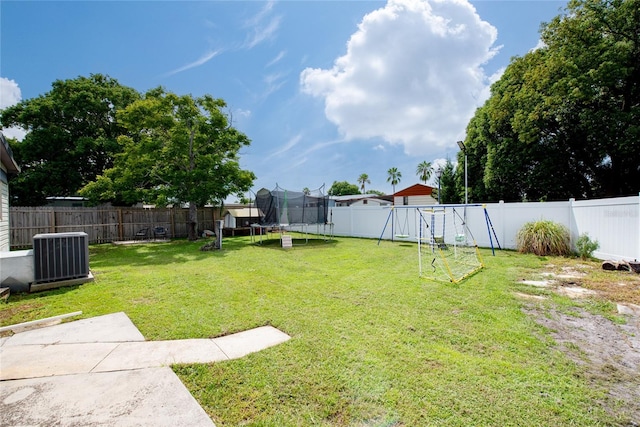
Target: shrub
<point>586,246</point>
<point>543,238</point>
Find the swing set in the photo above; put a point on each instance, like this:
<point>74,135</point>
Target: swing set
<point>402,230</point>
<point>447,250</point>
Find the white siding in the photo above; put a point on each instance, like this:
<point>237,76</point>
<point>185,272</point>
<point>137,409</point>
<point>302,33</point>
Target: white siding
<point>4,212</point>
<point>416,200</point>
<point>370,202</point>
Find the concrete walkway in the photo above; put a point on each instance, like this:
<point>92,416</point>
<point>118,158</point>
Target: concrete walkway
<point>101,372</point>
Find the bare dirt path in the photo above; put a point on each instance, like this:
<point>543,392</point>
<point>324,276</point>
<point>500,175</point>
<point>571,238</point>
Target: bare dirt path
<point>608,351</point>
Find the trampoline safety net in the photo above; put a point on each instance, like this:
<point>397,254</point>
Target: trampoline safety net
<point>281,206</point>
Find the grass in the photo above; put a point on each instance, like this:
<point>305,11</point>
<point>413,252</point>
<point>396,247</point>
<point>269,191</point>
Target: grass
<point>372,343</point>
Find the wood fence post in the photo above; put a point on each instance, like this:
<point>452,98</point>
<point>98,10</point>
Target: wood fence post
<point>120,225</point>
<point>172,218</point>
<point>52,220</point>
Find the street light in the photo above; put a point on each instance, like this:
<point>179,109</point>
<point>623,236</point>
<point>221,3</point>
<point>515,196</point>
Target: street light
<point>439,175</point>
<point>464,150</point>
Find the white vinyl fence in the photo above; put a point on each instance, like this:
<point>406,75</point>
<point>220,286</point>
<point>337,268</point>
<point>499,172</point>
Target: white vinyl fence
<point>614,223</point>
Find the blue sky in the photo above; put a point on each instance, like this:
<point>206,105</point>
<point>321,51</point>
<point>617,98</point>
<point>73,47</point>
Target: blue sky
<point>326,90</point>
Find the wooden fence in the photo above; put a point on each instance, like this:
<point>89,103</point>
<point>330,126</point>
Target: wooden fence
<point>102,224</point>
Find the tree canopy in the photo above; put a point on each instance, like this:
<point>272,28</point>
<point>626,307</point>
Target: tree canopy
<point>564,120</point>
<point>363,179</point>
<point>179,149</point>
<point>71,136</point>
<point>424,171</point>
<point>343,188</point>
<point>447,187</point>
<point>394,176</point>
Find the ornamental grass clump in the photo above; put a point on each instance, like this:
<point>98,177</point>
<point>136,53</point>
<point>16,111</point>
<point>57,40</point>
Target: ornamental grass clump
<point>544,238</point>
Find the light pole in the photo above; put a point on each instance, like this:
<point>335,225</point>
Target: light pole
<point>439,175</point>
<point>464,150</point>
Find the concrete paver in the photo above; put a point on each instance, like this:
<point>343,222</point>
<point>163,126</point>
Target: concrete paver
<point>146,397</point>
<point>136,355</point>
<point>116,327</point>
<point>246,342</point>
<point>101,371</point>
<point>33,361</point>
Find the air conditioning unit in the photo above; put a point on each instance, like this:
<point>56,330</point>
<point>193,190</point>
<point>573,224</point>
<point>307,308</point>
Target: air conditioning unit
<point>60,256</point>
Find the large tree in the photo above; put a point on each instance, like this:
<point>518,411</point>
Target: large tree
<point>71,136</point>
<point>180,149</point>
<point>342,188</point>
<point>449,193</point>
<point>564,120</point>
<point>598,95</point>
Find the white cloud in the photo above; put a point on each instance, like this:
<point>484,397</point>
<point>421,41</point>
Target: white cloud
<point>299,162</point>
<point>439,163</point>
<point>10,94</point>
<point>273,83</point>
<point>412,74</point>
<point>277,59</point>
<point>208,56</point>
<point>239,117</point>
<point>286,147</point>
<point>263,26</point>
<point>14,132</point>
<point>486,92</point>
<point>243,113</point>
<point>541,44</point>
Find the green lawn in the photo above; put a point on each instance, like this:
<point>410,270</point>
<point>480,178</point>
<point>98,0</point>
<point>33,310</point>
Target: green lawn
<point>372,343</point>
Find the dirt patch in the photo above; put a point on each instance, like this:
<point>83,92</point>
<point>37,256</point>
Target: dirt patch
<point>609,352</point>
<point>9,314</point>
<point>615,286</point>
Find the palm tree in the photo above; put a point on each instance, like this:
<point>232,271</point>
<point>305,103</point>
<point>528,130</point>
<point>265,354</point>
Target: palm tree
<point>394,177</point>
<point>424,171</point>
<point>362,180</point>
<point>306,191</point>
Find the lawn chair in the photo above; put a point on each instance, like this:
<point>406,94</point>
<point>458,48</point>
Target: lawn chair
<point>160,232</point>
<point>142,234</point>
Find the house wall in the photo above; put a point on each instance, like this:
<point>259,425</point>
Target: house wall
<point>4,210</point>
<point>371,202</point>
<point>415,200</point>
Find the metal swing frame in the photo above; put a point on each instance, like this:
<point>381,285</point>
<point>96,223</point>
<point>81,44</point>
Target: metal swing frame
<point>431,238</point>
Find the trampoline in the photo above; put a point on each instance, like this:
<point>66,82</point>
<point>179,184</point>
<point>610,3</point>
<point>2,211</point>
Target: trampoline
<point>286,210</point>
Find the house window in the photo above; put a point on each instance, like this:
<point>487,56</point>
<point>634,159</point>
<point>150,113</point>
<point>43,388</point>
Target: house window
<point>364,202</point>
<point>405,200</point>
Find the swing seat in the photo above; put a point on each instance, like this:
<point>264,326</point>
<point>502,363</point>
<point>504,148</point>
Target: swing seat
<point>402,236</point>
<point>460,238</point>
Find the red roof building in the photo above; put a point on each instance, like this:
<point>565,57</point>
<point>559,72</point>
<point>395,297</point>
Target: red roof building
<point>417,194</point>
